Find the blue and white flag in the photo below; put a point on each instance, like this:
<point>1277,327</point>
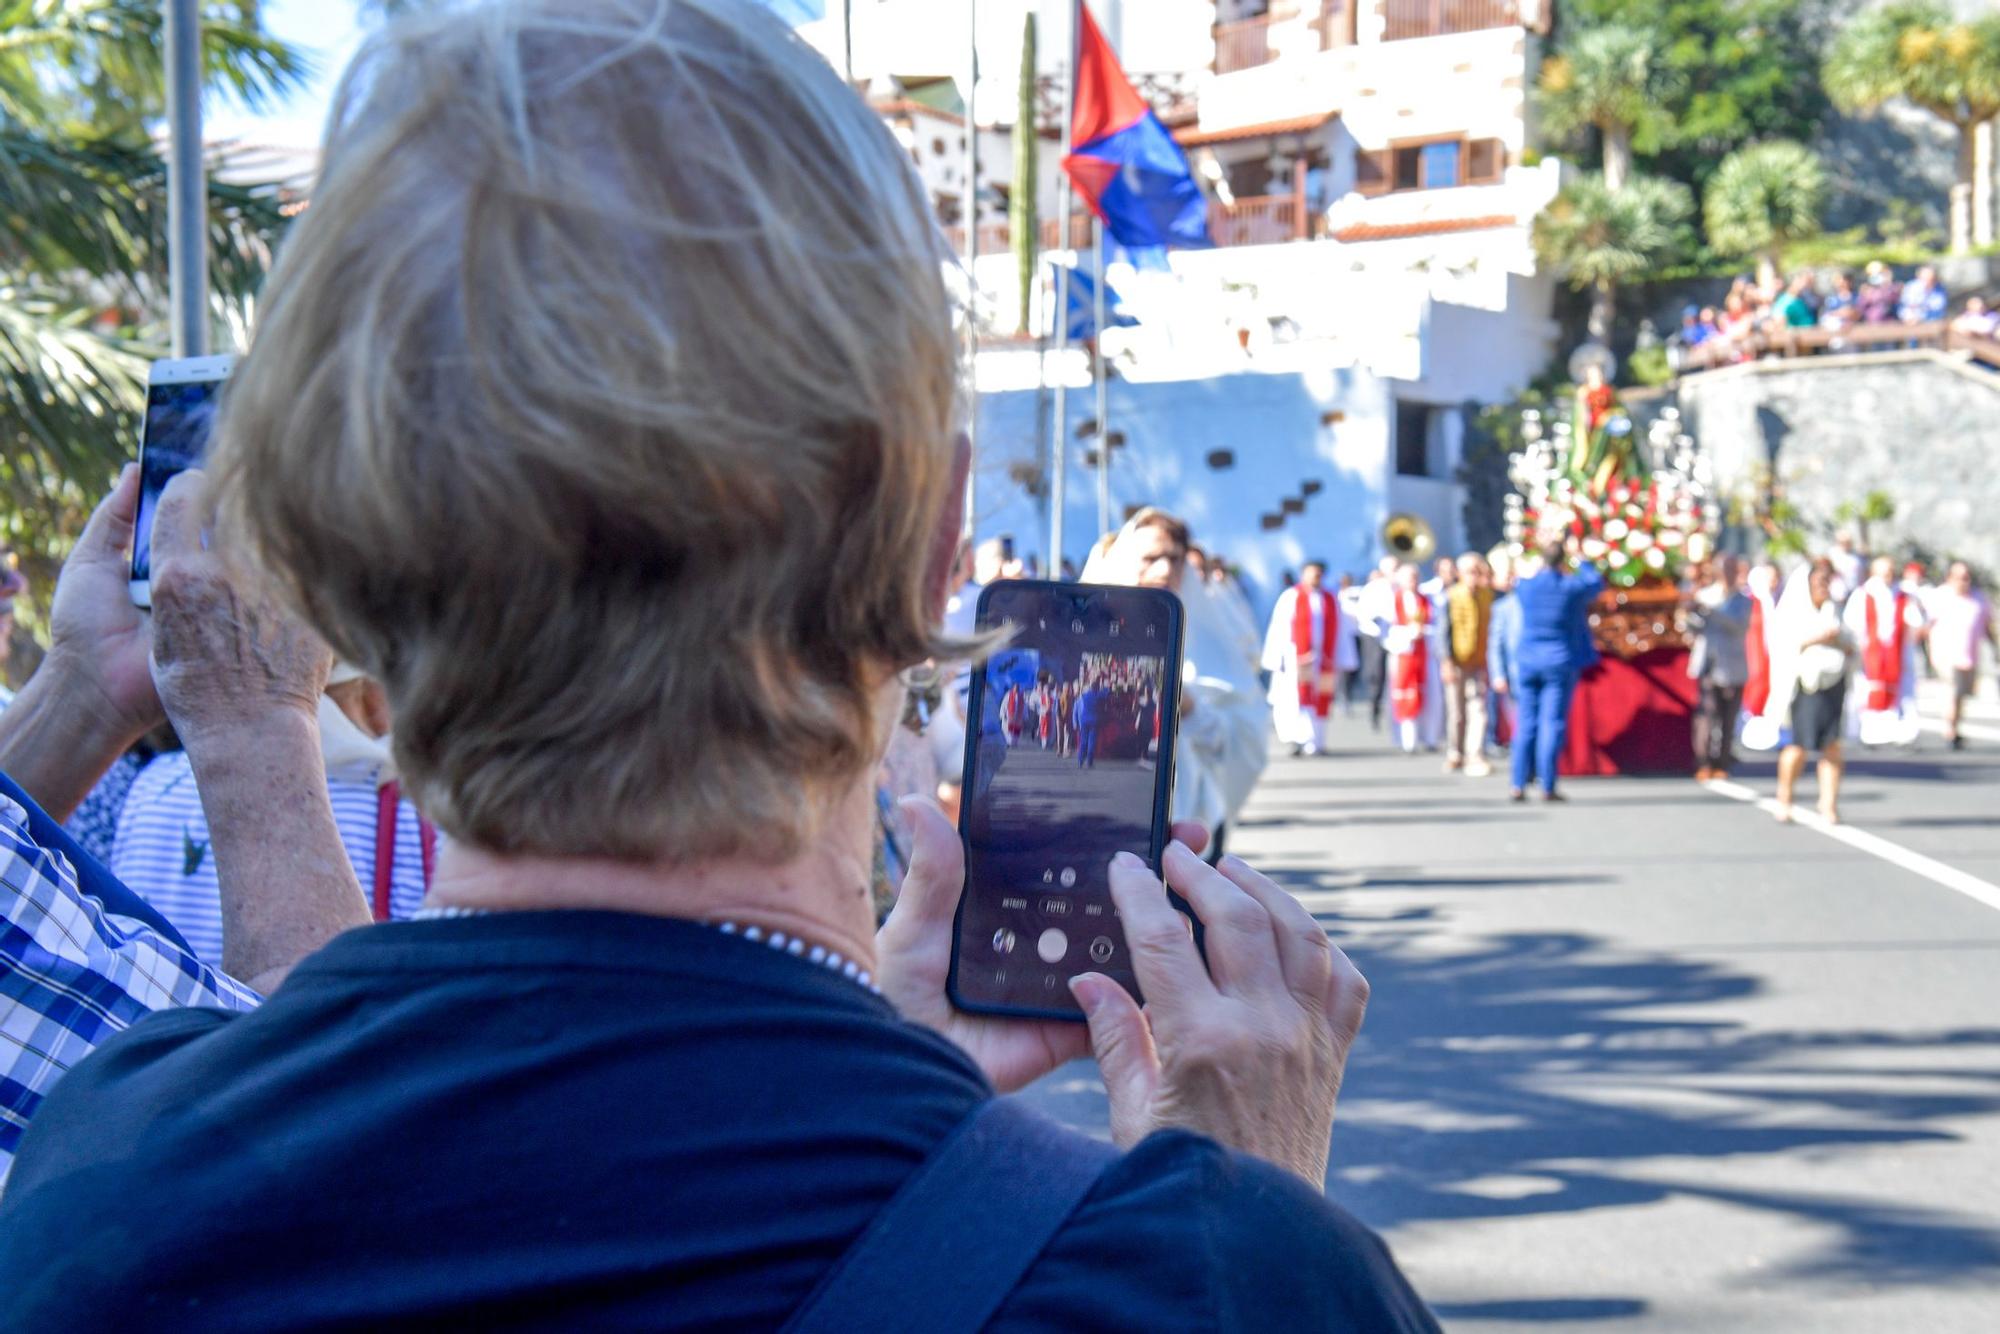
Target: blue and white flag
<point>1083,305</point>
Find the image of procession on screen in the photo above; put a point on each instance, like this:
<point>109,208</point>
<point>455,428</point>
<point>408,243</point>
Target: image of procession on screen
<point>1069,743</point>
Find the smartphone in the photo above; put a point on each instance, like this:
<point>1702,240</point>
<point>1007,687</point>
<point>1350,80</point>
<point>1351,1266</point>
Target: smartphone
<point>1069,759</point>
<point>182,396</point>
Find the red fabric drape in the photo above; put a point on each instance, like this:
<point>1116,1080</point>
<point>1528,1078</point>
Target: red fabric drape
<point>1315,669</point>
<point>1632,716</point>
<point>1414,666</point>
<point>1757,690</point>
<point>1882,660</point>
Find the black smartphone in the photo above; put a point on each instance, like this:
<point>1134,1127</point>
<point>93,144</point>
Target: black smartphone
<point>1069,759</point>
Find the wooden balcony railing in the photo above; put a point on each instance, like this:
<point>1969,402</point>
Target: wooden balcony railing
<point>1247,44</point>
<point>1787,343</point>
<point>1260,220</point>
<point>1436,18</point>
<point>995,237</point>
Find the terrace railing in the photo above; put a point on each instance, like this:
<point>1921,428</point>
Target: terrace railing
<point>1437,18</point>
<point>1789,343</point>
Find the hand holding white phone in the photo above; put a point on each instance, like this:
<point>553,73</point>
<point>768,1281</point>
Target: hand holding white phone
<point>182,396</point>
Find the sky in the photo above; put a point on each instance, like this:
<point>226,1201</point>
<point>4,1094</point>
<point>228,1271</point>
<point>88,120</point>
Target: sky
<point>329,33</point>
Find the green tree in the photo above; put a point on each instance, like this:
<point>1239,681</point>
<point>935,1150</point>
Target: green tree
<point>1729,72</point>
<point>82,241</point>
<point>1764,198</point>
<point>1598,237</point>
<point>1918,51</point>
<point>1605,80</point>
<point>1023,222</point>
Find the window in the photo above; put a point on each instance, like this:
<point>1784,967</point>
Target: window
<point>1436,165</point>
<point>1439,165</point>
<point>1483,159</point>
<point>1405,177</point>
<point>1413,439</point>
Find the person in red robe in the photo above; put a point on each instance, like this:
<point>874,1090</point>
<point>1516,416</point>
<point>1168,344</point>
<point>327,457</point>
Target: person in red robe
<point>1302,651</point>
<point>1413,702</point>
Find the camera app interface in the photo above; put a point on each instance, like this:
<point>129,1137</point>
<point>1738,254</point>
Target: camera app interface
<point>1068,771</point>
<point>179,420</point>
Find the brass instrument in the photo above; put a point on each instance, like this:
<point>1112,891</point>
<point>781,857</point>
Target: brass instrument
<point>1409,538</point>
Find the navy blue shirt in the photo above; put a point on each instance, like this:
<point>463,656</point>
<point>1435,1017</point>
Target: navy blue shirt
<point>586,1120</point>
<point>1555,619</point>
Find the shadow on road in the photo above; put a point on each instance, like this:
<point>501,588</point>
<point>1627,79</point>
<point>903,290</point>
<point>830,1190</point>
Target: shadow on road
<point>1547,1072</point>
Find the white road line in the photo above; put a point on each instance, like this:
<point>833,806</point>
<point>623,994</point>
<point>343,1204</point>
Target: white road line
<point>1979,891</point>
<point>1971,730</point>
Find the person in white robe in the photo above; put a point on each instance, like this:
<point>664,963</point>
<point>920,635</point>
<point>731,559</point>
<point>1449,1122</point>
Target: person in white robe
<point>1887,623</point>
<point>1416,685</point>
<point>1306,651</point>
<point>1222,747</point>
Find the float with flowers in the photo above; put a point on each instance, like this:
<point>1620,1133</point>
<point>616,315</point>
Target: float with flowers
<point>1638,507</point>
<point>1638,504</point>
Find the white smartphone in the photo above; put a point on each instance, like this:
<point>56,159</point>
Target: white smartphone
<point>182,396</point>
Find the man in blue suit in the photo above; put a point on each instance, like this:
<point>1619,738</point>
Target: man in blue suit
<point>1552,649</point>
<point>1091,707</point>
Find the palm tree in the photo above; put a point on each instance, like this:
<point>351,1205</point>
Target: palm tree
<point>1023,224</point>
<point>1762,198</point>
<point>1598,237</point>
<point>1606,80</point>
<point>1918,51</point>
<point>82,239</point>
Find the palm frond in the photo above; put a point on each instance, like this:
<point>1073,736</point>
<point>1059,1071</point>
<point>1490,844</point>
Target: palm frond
<point>69,395</point>
<point>1593,234</point>
<point>1764,196</point>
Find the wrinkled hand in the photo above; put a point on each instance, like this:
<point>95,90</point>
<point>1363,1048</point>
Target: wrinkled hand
<point>913,961</point>
<point>225,653</point>
<point>1248,1049</point>
<point>99,643</point>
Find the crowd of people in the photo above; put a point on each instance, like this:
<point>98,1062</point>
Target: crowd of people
<point>1757,315</point>
<point>643,593</point>
<point>1482,653</point>
<point>1487,654</point>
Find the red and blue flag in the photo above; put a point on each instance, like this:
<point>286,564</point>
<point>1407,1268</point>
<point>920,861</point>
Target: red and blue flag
<point>1123,161</point>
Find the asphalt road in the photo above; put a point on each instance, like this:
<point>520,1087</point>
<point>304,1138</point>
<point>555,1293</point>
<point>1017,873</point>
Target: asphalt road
<point>1650,1061</point>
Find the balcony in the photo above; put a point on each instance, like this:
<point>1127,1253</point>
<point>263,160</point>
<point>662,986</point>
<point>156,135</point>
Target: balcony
<point>1252,42</point>
<point>1256,220</point>
<point>1404,19</point>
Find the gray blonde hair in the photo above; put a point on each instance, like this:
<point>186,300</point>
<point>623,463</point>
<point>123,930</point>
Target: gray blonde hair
<point>603,409</point>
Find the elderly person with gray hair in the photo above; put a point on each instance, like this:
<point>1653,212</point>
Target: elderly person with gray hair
<point>1719,616</point>
<point>641,577</point>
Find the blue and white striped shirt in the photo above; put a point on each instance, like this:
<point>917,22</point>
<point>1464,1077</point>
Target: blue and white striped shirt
<point>71,975</point>
<point>162,850</point>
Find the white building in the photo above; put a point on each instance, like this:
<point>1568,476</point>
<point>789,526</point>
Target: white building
<point>1372,283</point>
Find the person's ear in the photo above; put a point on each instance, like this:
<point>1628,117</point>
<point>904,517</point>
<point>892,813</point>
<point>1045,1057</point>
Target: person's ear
<point>944,538</point>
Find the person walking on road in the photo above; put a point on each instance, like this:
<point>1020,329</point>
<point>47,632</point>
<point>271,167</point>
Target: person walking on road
<point>1720,618</point>
<point>1961,617</point>
<point>1468,614</point>
<point>1813,674</point>
<point>1551,653</point>
<point>1302,652</point>
<point>1886,623</point>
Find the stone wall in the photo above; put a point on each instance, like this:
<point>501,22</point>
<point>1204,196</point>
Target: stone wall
<point>1922,426</point>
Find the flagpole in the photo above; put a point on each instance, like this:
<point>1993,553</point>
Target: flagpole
<point>187,183</point>
<point>1097,374</point>
<point>1059,452</point>
<point>972,267</point>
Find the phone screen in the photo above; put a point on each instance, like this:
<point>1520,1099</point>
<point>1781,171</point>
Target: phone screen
<point>1070,760</point>
<point>179,419</point>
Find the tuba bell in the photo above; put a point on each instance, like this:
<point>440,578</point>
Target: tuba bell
<point>1409,538</point>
